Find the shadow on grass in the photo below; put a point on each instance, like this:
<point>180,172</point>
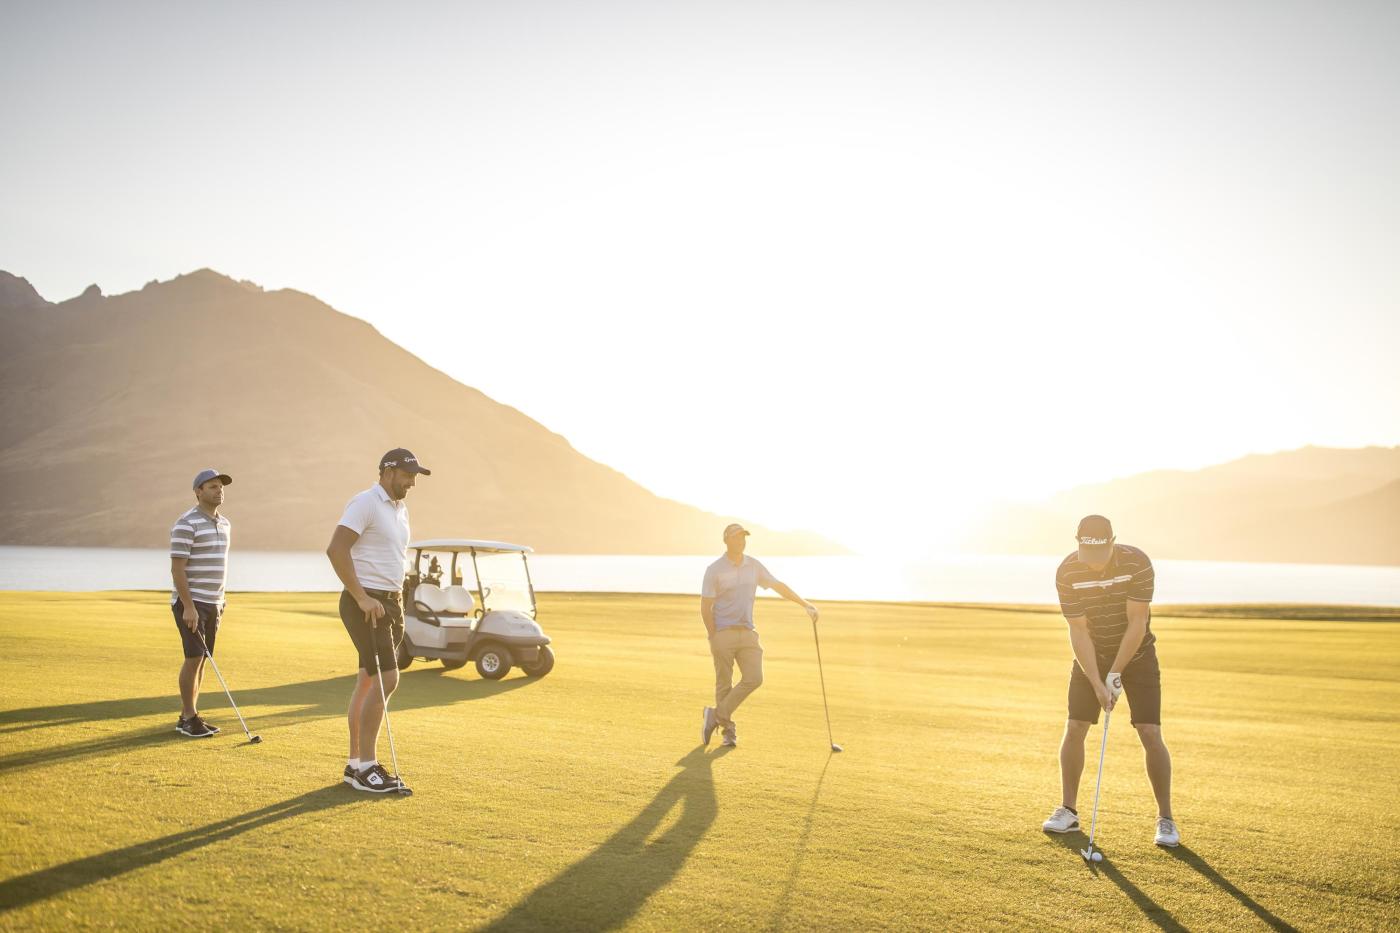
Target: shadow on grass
<point>1154,912</point>
<point>800,853</point>
<point>1184,854</point>
<point>605,888</point>
<point>60,879</point>
<point>312,699</point>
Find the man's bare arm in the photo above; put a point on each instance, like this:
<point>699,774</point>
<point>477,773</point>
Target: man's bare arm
<point>339,553</point>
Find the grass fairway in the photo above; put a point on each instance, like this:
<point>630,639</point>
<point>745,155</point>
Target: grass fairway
<point>582,800</point>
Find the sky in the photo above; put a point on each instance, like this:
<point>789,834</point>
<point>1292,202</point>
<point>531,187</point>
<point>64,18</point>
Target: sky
<point>858,267</point>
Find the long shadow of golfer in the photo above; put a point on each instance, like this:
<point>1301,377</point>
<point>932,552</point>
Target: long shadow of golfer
<point>50,882</point>
<point>799,855</point>
<point>309,700</point>
<point>1184,854</point>
<point>610,884</point>
<point>1153,911</point>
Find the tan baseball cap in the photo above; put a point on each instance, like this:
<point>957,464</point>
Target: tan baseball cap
<point>734,529</point>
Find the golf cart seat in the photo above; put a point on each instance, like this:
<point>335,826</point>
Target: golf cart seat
<point>459,599</point>
<point>443,607</point>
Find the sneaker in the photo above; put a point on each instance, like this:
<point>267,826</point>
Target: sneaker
<point>1063,820</point>
<point>350,775</point>
<point>193,728</point>
<point>731,737</point>
<point>376,780</point>
<point>708,722</point>
<point>213,729</point>
<point>1167,833</point>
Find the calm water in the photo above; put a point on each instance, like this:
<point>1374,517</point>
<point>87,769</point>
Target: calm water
<point>952,579</point>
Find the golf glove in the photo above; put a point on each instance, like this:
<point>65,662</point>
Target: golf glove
<point>1114,682</point>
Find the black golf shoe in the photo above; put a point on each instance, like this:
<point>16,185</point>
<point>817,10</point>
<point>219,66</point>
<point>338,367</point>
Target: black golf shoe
<point>193,728</point>
<point>350,775</point>
<point>213,729</point>
<point>376,780</point>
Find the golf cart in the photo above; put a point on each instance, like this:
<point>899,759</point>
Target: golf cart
<point>492,624</point>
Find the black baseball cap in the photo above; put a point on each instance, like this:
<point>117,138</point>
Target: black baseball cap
<point>404,460</point>
<point>1095,536</point>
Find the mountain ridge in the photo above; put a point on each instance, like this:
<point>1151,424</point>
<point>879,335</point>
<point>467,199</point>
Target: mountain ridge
<point>118,418</point>
<point>1307,505</point>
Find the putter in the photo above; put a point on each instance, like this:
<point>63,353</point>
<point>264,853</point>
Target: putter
<point>403,790</point>
<point>825,708</point>
<point>252,739</point>
<point>1089,853</point>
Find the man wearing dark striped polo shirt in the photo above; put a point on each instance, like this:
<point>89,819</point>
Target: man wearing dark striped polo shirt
<point>199,543</point>
<point>1105,591</point>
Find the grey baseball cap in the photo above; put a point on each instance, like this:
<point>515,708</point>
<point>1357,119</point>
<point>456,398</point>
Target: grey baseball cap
<point>206,475</point>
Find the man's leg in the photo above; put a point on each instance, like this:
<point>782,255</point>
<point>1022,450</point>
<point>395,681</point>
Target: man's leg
<point>363,684</point>
<point>1072,761</point>
<point>722,651</point>
<point>1159,766</point>
<point>749,655</point>
<point>191,672</point>
<point>372,712</point>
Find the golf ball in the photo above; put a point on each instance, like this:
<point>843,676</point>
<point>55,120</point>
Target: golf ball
<point>1097,856</point>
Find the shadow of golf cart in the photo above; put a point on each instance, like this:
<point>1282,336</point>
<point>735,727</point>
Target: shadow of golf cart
<point>491,623</point>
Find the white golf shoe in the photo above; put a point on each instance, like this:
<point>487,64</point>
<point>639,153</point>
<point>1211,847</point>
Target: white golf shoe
<point>1167,833</point>
<point>1063,820</point>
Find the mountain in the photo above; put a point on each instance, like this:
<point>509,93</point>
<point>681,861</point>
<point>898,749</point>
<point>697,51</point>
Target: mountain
<point>110,405</point>
<point>1312,505</point>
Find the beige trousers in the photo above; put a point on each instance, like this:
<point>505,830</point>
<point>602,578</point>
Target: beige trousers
<point>729,645</point>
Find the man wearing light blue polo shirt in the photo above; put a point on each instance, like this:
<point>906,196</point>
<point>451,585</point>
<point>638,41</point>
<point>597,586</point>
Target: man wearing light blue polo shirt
<point>726,607</point>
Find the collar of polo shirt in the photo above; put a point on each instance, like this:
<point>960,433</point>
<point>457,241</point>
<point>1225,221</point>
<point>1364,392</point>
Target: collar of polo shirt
<point>385,497</point>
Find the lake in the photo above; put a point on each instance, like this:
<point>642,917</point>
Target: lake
<point>972,579</point>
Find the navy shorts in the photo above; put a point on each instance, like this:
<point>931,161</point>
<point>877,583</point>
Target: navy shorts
<point>1142,685</point>
<point>209,616</point>
<point>386,636</point>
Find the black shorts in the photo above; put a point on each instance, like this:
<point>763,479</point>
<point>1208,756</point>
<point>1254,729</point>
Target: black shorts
<point>1142,686</point>
<point>209,616</point>
<point>387,635</point>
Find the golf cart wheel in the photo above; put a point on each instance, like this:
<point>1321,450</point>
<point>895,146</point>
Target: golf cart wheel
<point>453,664</point>
<point>543,665</point>
<point>403,658</point>
<point>493,662</point>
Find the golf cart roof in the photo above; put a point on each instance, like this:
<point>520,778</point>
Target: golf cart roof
<point>471,544</point>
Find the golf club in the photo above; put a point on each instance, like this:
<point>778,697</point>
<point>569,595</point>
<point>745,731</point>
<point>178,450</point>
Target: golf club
<point>253,739</point>
<point>827,709</point>
<point>384,697</point>
<point>1089,854</point>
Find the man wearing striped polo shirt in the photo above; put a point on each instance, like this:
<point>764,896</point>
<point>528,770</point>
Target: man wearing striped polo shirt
<point>369,549</point>
<point>1105,593</point>
<point>199,543</point>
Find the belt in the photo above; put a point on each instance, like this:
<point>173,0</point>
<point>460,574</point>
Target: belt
<point>394,595</point>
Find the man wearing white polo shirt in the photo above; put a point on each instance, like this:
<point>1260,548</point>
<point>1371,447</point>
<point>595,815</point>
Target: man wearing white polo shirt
<point>368,551</point>
<point>726,608</point>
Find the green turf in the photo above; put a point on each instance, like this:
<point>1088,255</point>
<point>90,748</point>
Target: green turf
<point>581,801</point>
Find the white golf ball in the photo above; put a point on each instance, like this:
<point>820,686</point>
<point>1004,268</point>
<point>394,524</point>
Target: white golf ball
<point>1097,856</point>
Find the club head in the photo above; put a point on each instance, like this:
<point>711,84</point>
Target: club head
<point>1084,854</point>
<point>255,740</point>
<point>405,792</point>
<point>836,748</point>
